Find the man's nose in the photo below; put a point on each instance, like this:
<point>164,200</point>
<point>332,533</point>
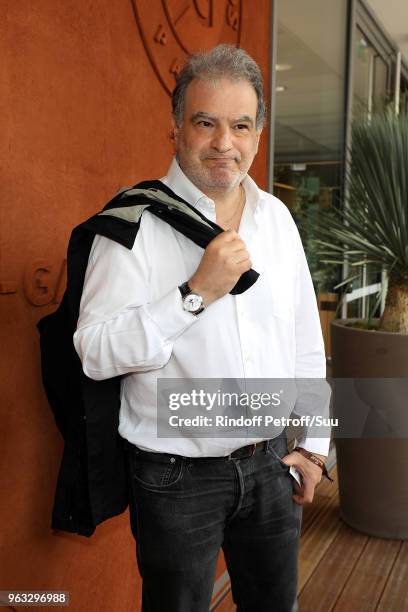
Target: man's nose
<point>222,140</point>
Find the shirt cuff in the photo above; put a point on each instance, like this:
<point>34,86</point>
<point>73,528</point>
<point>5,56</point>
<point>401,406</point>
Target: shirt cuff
<point>320,446</point>
<point>169,315</point>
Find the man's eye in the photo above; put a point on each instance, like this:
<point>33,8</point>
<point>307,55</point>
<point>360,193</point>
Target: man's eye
<point>241,126</point>
<point>204,123</point>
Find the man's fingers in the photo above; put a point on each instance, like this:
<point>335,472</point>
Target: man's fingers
<point>310,474</point>
<point>233,250</point>
<point>226,236</point>
<point>223,262</point>
<point>304,494</point>
<point>241,256</point>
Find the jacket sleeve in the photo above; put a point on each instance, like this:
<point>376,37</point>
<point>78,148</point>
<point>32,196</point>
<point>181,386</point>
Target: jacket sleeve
<point>120,328</point>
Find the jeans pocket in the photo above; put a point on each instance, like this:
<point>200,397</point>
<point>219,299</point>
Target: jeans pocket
<point>277,449</point>
<point>156,474</point>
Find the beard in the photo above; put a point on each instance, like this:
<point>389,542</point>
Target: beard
<point>216,177</point>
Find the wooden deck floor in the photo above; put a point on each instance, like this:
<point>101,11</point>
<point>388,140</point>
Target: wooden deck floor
<point>342,570</point>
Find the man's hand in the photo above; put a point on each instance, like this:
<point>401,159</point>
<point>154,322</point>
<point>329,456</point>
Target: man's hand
<point>310,473</point>
<point>223,262</point>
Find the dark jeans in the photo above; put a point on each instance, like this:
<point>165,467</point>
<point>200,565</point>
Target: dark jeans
<point>184,510</point>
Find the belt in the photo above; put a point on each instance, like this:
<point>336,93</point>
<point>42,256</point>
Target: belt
<point>240,453</point>
<point>249,451</point>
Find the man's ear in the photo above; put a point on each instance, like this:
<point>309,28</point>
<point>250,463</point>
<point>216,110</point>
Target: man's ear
<point>258,136</point>
<point>174,131</point>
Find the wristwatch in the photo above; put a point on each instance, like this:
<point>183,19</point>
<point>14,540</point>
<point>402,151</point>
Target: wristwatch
<point>192,302</point>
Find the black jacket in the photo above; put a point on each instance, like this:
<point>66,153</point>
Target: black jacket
<point>92,484</point>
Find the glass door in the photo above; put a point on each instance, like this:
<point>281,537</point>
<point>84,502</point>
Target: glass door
<point>372,92</point>
<point>309,125</point>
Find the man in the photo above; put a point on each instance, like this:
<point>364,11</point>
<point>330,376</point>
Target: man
<point>163,310</point>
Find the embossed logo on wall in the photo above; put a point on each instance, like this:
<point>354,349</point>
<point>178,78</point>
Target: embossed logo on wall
<point>43,283</point>
<point>171,29</point>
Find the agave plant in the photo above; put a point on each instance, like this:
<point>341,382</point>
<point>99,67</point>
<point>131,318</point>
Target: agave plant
<point>372,229</point>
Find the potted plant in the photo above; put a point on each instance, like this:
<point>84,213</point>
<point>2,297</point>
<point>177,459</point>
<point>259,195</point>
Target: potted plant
<point>372,230</point>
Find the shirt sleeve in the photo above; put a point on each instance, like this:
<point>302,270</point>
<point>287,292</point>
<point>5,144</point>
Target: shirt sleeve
<point>120,328</point>
<point>313,389</point>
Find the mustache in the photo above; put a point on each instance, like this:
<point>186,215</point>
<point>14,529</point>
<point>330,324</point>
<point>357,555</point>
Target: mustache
<point>221,157</point>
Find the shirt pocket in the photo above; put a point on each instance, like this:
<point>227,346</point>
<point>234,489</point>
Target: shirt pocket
<point>280,291</point>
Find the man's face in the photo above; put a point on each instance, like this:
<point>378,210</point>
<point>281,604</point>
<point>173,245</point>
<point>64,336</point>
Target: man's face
<point>218,140</point>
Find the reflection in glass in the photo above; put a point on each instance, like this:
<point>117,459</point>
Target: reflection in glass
<point>309,114</point>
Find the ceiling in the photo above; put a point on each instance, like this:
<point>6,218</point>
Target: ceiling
<point>393,15</point>
<point>311,41</point>
<point>309,109</point>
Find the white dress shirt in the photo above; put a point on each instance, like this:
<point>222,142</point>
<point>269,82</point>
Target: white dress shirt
<point>132,321</point>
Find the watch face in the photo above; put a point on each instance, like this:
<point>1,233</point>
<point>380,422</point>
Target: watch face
<point>192,302</point>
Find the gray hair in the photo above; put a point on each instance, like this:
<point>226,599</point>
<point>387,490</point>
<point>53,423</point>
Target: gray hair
<point>223,61</point>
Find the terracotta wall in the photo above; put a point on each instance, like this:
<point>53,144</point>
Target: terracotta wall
<point>84,110</point>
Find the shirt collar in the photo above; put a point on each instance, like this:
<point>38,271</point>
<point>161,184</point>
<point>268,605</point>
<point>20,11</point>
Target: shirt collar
<point>178,182</point>
<point>253,194</point>
<point>182,186</point>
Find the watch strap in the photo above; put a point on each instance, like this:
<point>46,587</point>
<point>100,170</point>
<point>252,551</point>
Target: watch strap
<point>185,289</point>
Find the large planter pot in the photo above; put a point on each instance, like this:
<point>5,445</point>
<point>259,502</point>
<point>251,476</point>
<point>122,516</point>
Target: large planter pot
<point>372,472</point>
